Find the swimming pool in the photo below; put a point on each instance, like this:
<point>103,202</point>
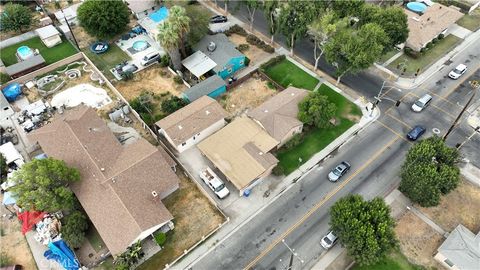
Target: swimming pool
<point>24,52</point>
<point>417,7</point>
<point>140,45</point>
<point>159,15</point>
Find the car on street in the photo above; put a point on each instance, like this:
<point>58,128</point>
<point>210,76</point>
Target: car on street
<point>214,183</point>
<point>150,58</point>
<point>457,72</point>
<point>339,170</point>
<point>421,103</point>
<point>218,19</point>
<point>328,240</point>
<point>416,132</point>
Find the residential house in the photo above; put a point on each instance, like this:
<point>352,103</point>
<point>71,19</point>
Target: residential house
<point>213,87</point>
<point>26,66</point>
<point>121,186</point>
<point>141,8</point>
<point>461,250</point>
<point>192,123</point>
<point>424,27</point>
<point>278,115</point>
<point>240,151</point>
<point>49,35</point>
<point>223,52</point>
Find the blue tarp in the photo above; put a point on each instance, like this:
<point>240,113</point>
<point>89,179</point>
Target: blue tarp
<point>41,156</point>
<point>12,91</point>
<point>60,252</point>
<point>8,199</point>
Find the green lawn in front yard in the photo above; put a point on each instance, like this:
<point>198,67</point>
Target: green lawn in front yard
<point>470,21</point>
<point>287,73</point>
<point>105,61</point>
<point>4,78</point>
<point>315,139</point>
<point>94,238</point>
<point>394,261</point>
<point>427,58</point>
<point>386,56</point>
<point>51,55</point>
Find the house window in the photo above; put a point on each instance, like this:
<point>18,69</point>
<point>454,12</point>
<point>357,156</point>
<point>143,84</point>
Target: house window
<point>183,144</point>
<point>449,263</point>
<point>229,70</point>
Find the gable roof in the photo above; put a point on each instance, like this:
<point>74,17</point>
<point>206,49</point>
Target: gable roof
<point>462,248</point>
<point>198,63</point>
<point>192,119</point>
<point>47,31</point>
<point>138,6</point>
<point>423,28</point>
<point>204,87</point>
<point>240,151</point>
<point>224,51</point>
<point>116,181</point>
<point>278,115</point>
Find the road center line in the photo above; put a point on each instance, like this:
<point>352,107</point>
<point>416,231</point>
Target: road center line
<point>400,121</point>
<point>318,205</point>
<point>393,131</point>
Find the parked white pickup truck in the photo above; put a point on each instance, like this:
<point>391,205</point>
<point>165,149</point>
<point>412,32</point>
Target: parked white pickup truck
<point>214,183</point>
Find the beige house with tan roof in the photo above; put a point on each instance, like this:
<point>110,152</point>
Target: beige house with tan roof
<point>121,186</point>
<point>423,28</point>
<point>278,115</point>
<point>240,151</point>
<point>192,123</point>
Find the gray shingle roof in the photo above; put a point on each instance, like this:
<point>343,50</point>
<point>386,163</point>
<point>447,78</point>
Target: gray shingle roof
<point>204,88</point>
<point>462,247</point>
<point>224,51</point>
<point>24,65</point>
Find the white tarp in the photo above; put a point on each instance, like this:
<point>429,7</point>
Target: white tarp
<point>82,93</point>
<point>10,153</point>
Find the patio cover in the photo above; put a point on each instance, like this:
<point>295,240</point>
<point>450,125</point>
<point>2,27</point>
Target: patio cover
<point>198,63</point>
<point>29,219</point>
<point>10,153</point>
<point>47,31</point>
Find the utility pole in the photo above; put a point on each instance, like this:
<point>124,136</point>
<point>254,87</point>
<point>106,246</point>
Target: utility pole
<point>70,29</point>
<point>292,251</point>
<point>379,97</point>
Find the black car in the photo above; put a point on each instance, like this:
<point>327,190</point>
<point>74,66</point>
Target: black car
<point>339,171</point>
<point>415,133</point>
<point>218,19</point>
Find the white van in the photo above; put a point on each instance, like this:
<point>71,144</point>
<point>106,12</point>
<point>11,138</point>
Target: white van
<point>421,103</point>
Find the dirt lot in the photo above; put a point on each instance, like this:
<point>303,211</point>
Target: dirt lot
<point>13,243</point>
<point>153,79</point>
<point>418,241</point>
<point>253,53</point>
<point>461,206</point>
<point>247,95</point>
<point>194,217</point>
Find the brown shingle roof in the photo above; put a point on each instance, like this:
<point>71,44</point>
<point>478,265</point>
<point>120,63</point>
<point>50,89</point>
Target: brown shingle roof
<point>422,29</point>
<point>278,115</point>
<point>192,119</point>
<point>116,181</point>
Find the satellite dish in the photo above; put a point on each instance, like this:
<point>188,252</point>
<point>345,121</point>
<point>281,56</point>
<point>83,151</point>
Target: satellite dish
<point>211,46</point>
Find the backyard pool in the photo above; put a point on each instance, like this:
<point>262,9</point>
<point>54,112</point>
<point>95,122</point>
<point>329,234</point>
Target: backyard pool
<point>140,45</point>
<point>417,7</point>
<point>159,15</point>
<point>24,52</point>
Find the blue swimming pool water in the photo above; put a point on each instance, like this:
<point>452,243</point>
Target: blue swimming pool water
<point>24,52</point>
<point>417,7</point>
<point>140,45</point>
<point>159,15</point>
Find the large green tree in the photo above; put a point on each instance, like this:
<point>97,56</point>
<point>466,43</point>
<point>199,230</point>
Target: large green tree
<point>199,20</point>
<point>42,184</point>
<point>270,13</point>
<point>316,110</point>
<point>103,19</point>
<point>346,8</point>
<point>429,171</point>
<point>352,50</point>
<point>15,17</point>
<point>73,229</point>
<point>252,6</point>
<point>181,22</point>
<point>365,228</point>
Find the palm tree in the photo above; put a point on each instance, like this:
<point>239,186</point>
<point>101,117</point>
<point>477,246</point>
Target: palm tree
<point>178,16</point>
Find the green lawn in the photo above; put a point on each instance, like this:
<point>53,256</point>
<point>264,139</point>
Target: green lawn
<point>386,56</point>
<point>315,139</point>
<point>94,238</point>
<point>429,57</point>
<point>287,73</point>
<point>105,61</point>
<point>471,22</point>
<point>51,55</point>
<point>4,78</point>
<point>395,261</point>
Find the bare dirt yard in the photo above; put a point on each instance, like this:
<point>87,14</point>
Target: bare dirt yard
<point>194,217</point>
<point>253,53</point>
<point>13,243</point>
<point>153,79</point>
<point>460,206</point>
<point>246,96</point>
<point>418,241</point>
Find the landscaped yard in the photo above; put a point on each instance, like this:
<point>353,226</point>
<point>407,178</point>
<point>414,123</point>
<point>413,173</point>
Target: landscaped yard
<point>4,78</point>
<point>427,58</point>
<point>287,73</point>
<point>51,55</point>
<point>194,217</point>
<point>315,139</point>
<point>105,61</point>
<point>394,261</point>
<point>472,21</point>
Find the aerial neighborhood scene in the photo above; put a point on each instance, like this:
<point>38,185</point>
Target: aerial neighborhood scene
<point>246,134</point>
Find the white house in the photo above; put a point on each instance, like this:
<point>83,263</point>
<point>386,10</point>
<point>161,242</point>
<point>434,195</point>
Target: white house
<point>49,35</point>
<point>193,123</point>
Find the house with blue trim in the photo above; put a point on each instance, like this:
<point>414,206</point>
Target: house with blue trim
<point>223,52</point>
<point>213,87</point>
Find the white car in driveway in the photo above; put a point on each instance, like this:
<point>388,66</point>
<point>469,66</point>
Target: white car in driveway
<point>328,240</point>
<point>457,72</point>
<point>214,183</point>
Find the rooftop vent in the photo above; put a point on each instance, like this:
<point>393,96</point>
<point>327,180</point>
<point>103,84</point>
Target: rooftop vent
<point>260,153</point>
<point>180,127</point>
<point>102,169</point>
<point>154,194</point>
<point>207,112</point>
<point>113,180</point>
<point>211,46</point>
<point>416,19</point>
<point>266,111</point>
<point>292,94</point>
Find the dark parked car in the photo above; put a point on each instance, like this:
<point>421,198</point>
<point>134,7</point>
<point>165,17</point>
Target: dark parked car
<point>339,171</point>
<point>415,133</point>
<point>218,19</point>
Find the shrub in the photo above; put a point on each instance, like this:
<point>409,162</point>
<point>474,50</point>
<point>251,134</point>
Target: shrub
<point>441,36</point>
<point>160,238</point>
<point>5,260</point>
<point>267,48</point>
<point>236,29</point>
<point>253,39</point>
<point>271,85</point>
<point>429,45</point>
<point>127,75</point>
<point>247,61</point>
<point>278,170</point>
<point>165,60</point>
<point>173,104</point>
<point>142,103</point>
<point>435,40</point>
<point>243,47</point>
<point>294,141</point>
<point>178,79</point>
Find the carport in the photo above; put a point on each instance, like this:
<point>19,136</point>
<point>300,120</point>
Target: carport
<point>198,64</point>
